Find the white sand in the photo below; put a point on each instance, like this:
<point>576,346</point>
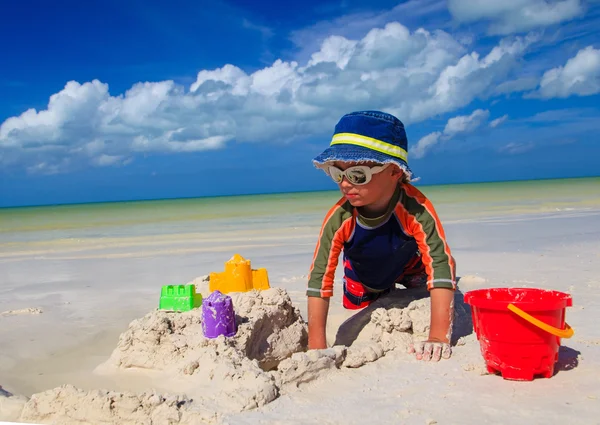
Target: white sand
<point>89,298</point>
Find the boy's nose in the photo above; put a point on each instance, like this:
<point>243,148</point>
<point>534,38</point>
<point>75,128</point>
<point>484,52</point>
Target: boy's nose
<point>345,183</point>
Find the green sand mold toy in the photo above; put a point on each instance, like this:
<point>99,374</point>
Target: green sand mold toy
<point>179,298</point>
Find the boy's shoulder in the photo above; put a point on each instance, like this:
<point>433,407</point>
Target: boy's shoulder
<point>339,212</point>
<point>412,192</point>
<point>412,198</point>
<point>341,207</point>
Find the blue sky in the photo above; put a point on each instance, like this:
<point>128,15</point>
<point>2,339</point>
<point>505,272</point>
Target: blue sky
<point>117,100</point>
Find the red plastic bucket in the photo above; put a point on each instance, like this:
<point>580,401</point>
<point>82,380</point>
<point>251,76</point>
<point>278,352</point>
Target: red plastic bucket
<point>519,329</point>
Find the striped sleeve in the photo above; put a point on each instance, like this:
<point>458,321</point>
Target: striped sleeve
<point>420,219</point>
<point>336,229</point>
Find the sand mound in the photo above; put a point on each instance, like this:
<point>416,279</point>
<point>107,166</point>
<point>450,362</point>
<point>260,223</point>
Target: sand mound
<point>270,329</point>
<point>228,373</point>
<point>71,406</point>
<point>305,367</point>
<point>393,323</point>
<point>200,379</point>
<point>382,327</point>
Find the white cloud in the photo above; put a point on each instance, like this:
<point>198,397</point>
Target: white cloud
<point>46,168</point>
<point>334,49</point>
<point>466,123</point>
<point>513,16</point>
<point>515,148</point>
<point>579,76</point>
<point>106,160</point>
<point>495,123</point>
<point>411,13</point>
<point>518,85</point>
<point>229,75</point>
<point>415,75</point>
<point>577,115</point>
<point>459,84</point>
<point>462,124</point>
<point>424,144</point>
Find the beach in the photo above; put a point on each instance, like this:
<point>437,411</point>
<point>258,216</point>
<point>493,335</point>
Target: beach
<point>88,270</point>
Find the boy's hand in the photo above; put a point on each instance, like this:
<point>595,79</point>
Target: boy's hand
<point>437,346</point>
<point>431,350</point>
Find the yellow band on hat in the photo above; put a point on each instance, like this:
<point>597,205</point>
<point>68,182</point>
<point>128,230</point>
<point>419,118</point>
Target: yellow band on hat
<point>370,143</point>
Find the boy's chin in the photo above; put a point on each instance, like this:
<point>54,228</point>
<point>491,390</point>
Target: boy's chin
<point>356,202</point>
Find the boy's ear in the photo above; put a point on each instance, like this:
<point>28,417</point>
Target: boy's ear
<point>397,172</point>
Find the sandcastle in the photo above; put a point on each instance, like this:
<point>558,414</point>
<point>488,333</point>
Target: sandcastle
<point>198,379</point>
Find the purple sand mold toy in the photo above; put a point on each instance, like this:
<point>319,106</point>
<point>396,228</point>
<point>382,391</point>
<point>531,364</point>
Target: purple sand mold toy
<point>218,317</point>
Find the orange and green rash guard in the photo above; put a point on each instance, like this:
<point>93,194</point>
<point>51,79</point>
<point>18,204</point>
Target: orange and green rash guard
<point>378,249</point>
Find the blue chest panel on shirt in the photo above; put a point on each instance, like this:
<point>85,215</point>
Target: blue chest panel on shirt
<point>378,255</point>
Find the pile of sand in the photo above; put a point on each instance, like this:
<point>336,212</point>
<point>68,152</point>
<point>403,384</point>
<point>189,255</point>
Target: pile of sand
<point>199,379</point>
<point>227,373</point>
<point>270,329</point>
<point>388,329</point>
<point>393,323</point>
<point>69,405</point>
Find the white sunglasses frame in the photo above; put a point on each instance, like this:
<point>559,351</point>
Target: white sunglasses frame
<point>368,171</point>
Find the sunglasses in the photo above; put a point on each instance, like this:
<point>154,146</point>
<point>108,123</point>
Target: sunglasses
<point>357,175</point>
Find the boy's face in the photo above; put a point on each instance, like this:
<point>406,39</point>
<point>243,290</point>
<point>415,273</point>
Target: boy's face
<point>381,184</point>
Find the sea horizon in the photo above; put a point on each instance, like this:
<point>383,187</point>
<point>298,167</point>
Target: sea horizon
<point>240,195</point>
<point>271,210</point>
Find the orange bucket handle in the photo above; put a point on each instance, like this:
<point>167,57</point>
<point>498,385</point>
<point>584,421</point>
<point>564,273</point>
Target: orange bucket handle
<point>567,332</point>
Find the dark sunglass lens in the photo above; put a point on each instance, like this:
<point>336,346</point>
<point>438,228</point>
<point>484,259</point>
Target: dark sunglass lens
<point>357,177</point>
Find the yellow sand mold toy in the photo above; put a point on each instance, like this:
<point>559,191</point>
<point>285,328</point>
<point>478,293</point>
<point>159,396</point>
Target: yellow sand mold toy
<point>238,277</point>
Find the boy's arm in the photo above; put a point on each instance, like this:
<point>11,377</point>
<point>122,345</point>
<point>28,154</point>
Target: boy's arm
<point>428,232</point>
<point>441,314</point>
<point>336,229</point>
<point>441,280</point>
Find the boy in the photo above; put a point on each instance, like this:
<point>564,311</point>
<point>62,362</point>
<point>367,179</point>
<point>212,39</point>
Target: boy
<point>388,230</point>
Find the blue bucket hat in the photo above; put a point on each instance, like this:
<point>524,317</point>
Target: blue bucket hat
<point>368,136</point>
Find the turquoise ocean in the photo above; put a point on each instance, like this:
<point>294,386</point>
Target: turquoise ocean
<point>35,227</point>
